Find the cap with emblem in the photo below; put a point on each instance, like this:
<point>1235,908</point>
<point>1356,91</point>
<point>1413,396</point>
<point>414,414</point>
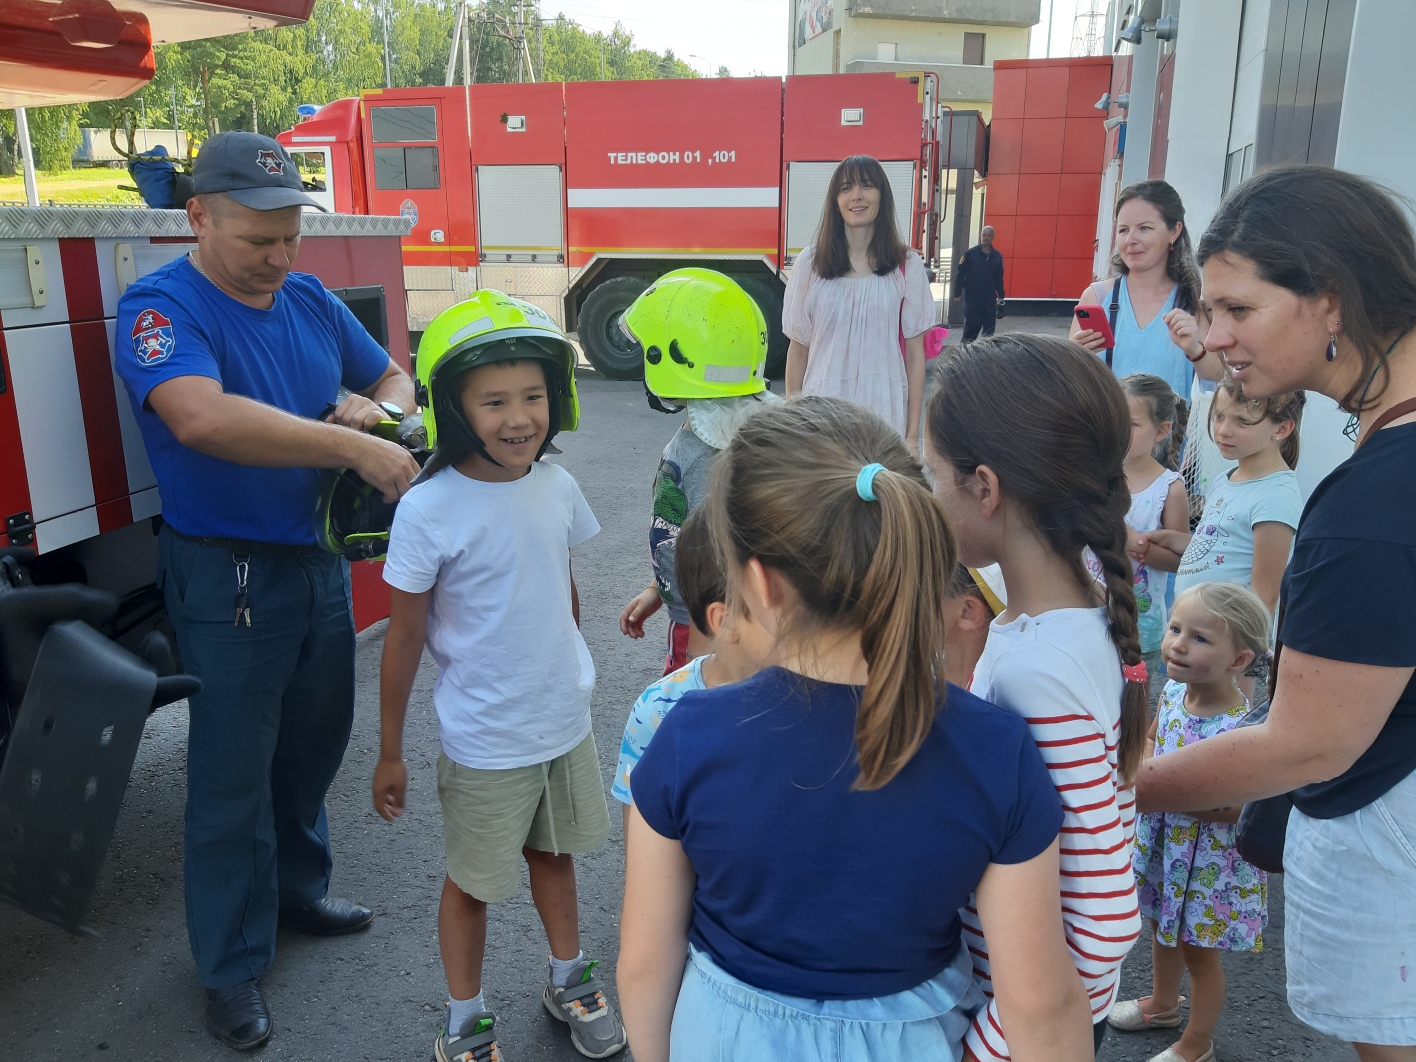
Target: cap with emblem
<point>252,169</point>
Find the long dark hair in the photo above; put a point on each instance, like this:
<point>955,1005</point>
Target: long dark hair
<point>831,257</point>
<point>1051,420</point>
<point>1180,262</point>
<point>1316,231</point>
<point>784,491</point>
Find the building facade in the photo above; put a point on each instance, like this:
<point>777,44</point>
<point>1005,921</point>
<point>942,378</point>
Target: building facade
<point>957,39</point>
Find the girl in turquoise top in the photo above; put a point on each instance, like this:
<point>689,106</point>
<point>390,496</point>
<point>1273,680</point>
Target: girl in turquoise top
<point>1157,290</point>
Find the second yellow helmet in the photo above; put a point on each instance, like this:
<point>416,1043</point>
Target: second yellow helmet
<point>702,336</point>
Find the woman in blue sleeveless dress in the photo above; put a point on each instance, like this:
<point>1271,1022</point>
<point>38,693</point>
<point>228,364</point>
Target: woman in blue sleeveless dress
<point>1157,290</point>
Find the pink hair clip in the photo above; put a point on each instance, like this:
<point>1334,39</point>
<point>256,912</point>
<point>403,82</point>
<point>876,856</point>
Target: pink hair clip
<point>1135,672</point>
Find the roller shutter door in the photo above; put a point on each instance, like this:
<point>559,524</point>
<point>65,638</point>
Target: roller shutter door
<point>519,211</point>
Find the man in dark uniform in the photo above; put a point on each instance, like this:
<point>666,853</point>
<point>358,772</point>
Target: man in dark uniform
<point>229,359</point>
<point>980,283</point>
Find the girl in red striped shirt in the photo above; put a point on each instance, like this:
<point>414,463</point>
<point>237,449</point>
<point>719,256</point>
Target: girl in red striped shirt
<point>1027,440</point>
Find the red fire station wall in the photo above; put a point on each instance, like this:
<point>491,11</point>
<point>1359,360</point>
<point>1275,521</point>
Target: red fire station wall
<point>1044,172</point>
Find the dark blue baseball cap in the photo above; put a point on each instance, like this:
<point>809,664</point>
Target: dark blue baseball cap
<point>252,169</point>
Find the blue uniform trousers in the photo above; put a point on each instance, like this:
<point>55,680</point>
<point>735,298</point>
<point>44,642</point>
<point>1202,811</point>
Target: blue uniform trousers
<point>980,314</point>
<point>265,740</point>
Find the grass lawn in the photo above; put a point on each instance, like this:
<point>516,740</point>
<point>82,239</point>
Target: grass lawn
<point>97,185</point>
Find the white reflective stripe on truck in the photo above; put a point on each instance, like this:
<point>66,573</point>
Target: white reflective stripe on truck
<point>581,198</point>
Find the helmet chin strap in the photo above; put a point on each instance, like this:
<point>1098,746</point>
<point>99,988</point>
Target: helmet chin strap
<point>655,402</point>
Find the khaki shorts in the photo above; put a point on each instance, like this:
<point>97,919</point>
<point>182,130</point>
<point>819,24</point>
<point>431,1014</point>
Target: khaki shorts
<point>489,816</point>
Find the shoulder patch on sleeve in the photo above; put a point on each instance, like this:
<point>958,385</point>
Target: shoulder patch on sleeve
<point>153,341</point>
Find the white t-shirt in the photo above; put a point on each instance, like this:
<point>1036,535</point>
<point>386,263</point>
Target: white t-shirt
<point>514,675</point>
<point>1061,672</point>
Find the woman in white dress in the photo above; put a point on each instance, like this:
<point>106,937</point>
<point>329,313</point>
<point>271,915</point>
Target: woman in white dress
<point>852,296</point>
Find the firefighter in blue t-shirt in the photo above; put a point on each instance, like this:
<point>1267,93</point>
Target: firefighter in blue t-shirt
<point>230,360</point>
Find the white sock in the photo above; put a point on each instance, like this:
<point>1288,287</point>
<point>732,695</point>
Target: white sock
<point>459,1010</point>
<point>561,969</point>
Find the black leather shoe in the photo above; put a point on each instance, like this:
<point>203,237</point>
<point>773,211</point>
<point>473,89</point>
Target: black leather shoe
<point>330,917</point>
<point>238,1015</point>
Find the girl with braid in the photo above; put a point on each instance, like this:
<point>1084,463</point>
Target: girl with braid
<point>1158,500</point>
<point>1027,440</point>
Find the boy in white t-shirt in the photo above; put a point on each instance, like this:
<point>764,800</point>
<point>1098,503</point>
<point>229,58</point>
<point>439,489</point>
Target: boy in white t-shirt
<point>479,563</point>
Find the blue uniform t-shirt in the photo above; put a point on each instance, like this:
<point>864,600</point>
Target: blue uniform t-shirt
<point>809,888</point>
<point>294,356</point>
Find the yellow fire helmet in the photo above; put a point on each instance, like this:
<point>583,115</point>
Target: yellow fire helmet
<point>485,328</point>
<point>701,334</point>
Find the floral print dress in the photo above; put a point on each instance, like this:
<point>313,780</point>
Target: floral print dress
<point>1190,879</point>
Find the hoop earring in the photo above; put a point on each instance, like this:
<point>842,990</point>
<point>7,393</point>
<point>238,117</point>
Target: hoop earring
<point>1332,346</point>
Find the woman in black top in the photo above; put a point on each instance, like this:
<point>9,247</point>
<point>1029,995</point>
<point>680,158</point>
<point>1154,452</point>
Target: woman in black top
<point>1311,276</point>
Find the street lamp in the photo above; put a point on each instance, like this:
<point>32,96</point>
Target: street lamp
<point>707,65</point>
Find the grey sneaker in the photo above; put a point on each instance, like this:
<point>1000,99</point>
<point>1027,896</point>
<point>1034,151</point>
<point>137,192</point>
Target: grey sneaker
<point>595,1029</point>
<point>476,1041</point>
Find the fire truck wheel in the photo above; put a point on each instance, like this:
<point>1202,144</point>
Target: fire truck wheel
<point>768,296</point>
<point>604,343</point>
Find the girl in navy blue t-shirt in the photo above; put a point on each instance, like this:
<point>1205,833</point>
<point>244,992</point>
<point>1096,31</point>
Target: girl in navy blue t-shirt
<point>801,843</point>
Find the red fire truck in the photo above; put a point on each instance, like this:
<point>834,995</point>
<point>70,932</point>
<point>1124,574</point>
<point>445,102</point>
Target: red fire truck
<point>575,196</point>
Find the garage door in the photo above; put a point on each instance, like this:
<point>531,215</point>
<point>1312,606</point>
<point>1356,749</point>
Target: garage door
<point>806,192</point>
<point>519,212</point>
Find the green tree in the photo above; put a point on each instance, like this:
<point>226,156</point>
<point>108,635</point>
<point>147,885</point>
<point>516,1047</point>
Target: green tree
<point>54,135</point>
<point>256,80</point>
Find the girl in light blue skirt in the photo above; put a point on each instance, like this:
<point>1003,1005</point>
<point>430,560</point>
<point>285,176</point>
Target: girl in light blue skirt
<point>801,843</point>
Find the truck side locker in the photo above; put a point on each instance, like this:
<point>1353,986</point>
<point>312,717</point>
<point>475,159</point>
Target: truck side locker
<point>518,154</point>
<point>828,117</point>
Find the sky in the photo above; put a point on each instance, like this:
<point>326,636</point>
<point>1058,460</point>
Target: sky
<point>746,36</point>
<point>1063,23</point>
<point>750,36</point>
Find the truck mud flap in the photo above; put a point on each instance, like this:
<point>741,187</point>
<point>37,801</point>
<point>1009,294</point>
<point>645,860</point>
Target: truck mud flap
<point>63,778</point>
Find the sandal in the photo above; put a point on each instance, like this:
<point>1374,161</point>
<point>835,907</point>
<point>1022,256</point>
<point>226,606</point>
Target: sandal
<point>1127,1016</point>
<point>1172,1055</point>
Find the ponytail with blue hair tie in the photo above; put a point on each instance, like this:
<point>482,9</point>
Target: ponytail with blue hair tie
<point>865,481</point>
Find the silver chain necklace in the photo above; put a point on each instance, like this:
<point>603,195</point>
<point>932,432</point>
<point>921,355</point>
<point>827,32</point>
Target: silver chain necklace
<point>192,257</point>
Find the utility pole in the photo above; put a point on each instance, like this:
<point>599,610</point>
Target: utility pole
<point>519,38</point>
<point>602,57</point>
<point>469,67</point>
<point>388,71</point>
<point>26,156</point>
<point>459,23</point>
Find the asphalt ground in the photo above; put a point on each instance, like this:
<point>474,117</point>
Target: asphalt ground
<point>131,992</point>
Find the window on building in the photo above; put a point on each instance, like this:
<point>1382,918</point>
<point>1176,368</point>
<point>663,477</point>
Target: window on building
<point>1239,166</point>
<point>886,52</point>
<point>836,51</point>
<point>973,49</point>
<point>396,168</point>
<point>396,125</point>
